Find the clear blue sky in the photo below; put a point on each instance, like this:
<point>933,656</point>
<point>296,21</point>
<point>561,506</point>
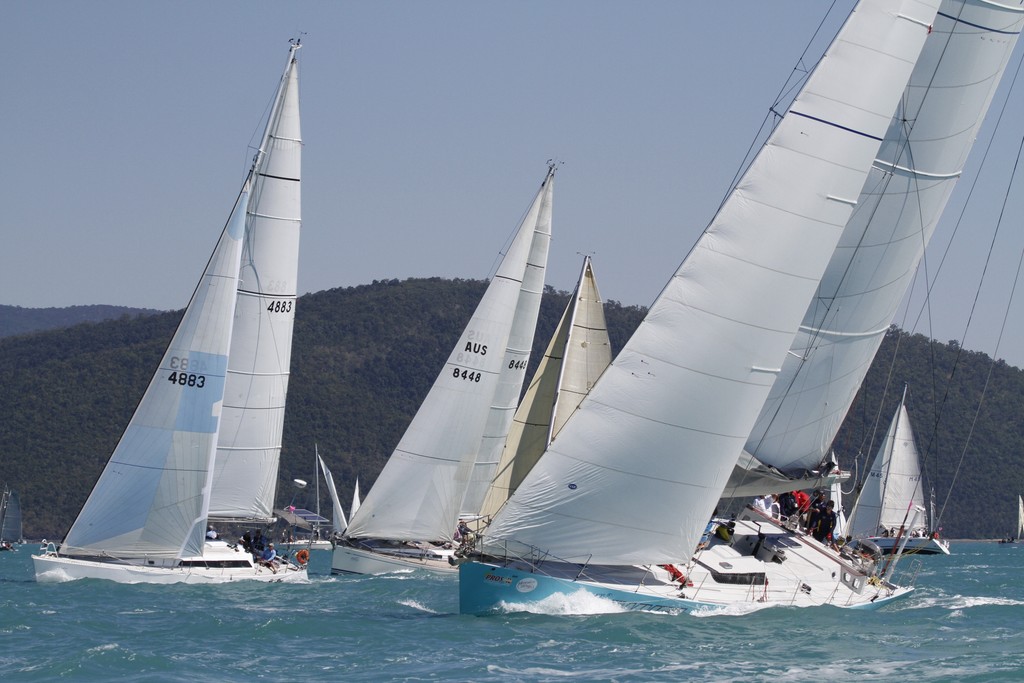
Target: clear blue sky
<point>427,126</point>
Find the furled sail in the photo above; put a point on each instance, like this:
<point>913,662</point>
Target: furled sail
<point>636,472</point>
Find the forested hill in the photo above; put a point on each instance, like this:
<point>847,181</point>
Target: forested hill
<point>364,357</point>
<point>16,320</point>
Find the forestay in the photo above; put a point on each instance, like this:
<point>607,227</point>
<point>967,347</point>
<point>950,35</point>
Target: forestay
<point>637,471</point>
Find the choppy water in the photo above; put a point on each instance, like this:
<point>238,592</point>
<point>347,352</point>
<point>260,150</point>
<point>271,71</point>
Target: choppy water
<point>965,623</point>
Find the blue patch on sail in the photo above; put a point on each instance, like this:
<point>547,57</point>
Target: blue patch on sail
<point>196,405</point>
<point>236,224</point>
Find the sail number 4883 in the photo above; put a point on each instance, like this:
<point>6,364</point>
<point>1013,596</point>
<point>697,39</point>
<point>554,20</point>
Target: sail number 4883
<point>279,306</point>
<point>187,379</point>
<point>467,375</point>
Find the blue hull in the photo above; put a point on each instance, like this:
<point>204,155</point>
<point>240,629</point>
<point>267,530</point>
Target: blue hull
<point>484,588</point>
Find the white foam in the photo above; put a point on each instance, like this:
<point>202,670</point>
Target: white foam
<point>579,603</point>
<point>415,604</point>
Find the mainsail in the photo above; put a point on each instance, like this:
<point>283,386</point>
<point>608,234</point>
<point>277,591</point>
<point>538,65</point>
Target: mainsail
<point>635,474</point>
<point>517,357</point>
<point>10,516</point>
<point>918,164</point>
<point>418,494</point>
<point>249,445</point>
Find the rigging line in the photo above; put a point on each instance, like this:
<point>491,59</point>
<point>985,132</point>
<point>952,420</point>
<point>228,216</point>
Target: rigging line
<point>773,116</point>
<point>1002,329</point>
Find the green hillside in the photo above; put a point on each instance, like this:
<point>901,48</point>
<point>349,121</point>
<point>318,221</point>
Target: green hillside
<point>364,357</point>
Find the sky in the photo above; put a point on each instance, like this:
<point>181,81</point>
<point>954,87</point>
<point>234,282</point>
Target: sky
<point>427,128</point>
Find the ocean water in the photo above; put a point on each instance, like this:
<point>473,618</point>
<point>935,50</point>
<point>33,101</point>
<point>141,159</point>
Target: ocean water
<point>964,623</point>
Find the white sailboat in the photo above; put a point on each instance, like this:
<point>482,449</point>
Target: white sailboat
<point>579,351</point>
<point>628,489</point>
<point>146,518</point>
<point>1020,523</point>
<point>409,517</point>
<point>892,491</point>
<point>10,519</point>
<point>309,529</point>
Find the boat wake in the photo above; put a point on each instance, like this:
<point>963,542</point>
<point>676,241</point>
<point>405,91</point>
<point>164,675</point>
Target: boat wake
<point>578,603</point>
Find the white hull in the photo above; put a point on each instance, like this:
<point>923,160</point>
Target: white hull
<point>916,546</point>
<point>300,545</point>
<point>351,560</point>
<point>744,572</point>
<point>235,566</point>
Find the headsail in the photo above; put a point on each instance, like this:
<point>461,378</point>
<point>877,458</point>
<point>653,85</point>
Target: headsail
<point>637,471</point>
<point>153,495</point>
<point>919,162</point>
<point>338,512</point>
<point>249,446</point>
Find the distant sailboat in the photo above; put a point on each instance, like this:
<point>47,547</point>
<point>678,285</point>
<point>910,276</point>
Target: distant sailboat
<point>146,518</point>
<point>10,519</point>
<point>1020,523</point>
<point>892,491</point>
<point>629,487</point>
<point>409,517</point>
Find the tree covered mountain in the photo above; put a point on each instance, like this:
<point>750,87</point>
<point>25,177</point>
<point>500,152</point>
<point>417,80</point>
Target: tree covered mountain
<point>364,357</point>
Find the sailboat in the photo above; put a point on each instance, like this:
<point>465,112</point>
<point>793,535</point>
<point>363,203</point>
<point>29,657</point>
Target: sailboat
<point>146,519</point>
<point>625,494</point>
<point>891,491</point>
<point>579,351</point>
<point>1020,523</point>
<point>10,519</point>
<point>409,517</point>
<point>309,529</point>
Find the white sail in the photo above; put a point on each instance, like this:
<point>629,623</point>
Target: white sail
<point>1020,516</point>
<point>517,357</point>
<point>418,494</point>
<point>249,446</point>
<point>579,351</point>
<point>919,162</point>
<point>356,501</point>
<point>892,487</point>
<point>836,494</point>
<point>153,495</point>
<point>339,522</point>
<point>636,472</point>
